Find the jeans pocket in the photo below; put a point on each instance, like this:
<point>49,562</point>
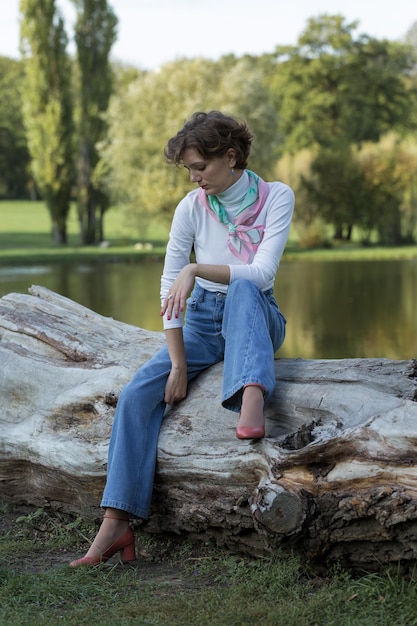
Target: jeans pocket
<point>195,298</point>
<point>192,303</point>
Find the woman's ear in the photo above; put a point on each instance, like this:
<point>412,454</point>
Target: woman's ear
<point>231,155</point>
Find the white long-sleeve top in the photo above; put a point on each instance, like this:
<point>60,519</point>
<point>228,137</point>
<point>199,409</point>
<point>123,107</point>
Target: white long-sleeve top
<point>194,226</point>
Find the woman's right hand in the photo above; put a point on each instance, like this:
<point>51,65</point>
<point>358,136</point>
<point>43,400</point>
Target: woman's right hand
<point>175,300</point>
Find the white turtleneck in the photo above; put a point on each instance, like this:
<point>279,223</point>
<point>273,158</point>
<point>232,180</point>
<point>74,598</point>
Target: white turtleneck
<point>232,197</point>
<point>194,226</point>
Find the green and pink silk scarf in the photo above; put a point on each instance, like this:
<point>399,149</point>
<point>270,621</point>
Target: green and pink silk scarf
<point>244,236</point>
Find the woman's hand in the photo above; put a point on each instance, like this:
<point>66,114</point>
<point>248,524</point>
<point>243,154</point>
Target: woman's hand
<point>174,303</point>
<point>176,385</point>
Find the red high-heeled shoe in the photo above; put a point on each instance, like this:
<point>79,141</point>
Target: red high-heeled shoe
<point>125,545</point>
<point>250,432</point>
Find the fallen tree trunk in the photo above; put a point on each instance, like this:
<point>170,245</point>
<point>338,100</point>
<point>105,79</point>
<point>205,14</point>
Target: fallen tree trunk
<point>336,475</point>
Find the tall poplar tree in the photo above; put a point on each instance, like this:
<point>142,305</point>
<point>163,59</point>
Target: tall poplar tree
<point>47,107</point>
<point>14,154</point>
<point>95,33</point>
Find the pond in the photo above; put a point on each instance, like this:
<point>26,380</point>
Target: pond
<point>339,309</point>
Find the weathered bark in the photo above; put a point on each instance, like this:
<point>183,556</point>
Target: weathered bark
<point>336,475</point>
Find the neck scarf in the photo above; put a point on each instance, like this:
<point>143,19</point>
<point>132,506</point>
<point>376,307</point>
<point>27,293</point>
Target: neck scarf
<point>244,238</point>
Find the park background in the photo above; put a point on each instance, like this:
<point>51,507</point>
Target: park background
<point>83,182</point>
<point>86,201</point>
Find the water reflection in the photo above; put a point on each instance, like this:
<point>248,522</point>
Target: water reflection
<point>334,310</point>
<point>349,309</point>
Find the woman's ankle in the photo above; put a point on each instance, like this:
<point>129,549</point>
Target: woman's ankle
<point>111,529</point>
<point>116,514</point>
<point>251,413</point>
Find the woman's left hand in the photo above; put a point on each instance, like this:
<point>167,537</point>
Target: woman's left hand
<point>176,385</point>
<point>174,303</point>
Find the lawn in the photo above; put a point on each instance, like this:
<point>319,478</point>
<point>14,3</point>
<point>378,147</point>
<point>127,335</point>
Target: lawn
<point>25,236</point>
<point>179,584</point>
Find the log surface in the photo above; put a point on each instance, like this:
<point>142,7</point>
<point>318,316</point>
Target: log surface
<point>336,475</point>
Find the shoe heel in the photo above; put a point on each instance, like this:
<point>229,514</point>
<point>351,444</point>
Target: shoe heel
<point>129,552</point>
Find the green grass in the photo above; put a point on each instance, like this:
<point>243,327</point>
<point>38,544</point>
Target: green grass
<point>342,251</point>
<point>25,238</point>
<point>176,584</point>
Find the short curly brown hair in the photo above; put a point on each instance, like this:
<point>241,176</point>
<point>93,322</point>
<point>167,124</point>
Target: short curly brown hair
<point>212,134</point>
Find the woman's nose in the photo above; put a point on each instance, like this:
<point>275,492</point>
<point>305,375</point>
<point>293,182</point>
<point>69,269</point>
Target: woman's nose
<point>195,177</point>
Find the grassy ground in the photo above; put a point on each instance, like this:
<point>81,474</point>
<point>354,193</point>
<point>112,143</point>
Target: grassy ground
<point>172,584</point>
<point>25,238</point>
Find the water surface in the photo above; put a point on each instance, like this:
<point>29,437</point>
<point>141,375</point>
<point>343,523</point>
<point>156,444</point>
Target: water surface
<point>334,309</point>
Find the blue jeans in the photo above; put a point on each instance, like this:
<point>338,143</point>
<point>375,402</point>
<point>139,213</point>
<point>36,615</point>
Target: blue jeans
<point>244,327</point>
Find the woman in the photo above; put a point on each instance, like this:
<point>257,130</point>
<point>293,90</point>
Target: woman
<point>237,226</point>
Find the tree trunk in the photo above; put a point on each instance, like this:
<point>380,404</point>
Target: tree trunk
<point>336,475</point>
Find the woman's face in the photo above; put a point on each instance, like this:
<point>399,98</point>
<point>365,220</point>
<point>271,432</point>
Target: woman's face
<point>213,175</point>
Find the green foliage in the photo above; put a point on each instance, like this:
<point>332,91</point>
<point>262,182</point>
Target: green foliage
<point>48,107</point>
<point>51,530</point>
<point>95,33</point>
<point>155,106</point>
<point>311,107</point>
<point>372,189</point>
<point>141,119</point>
<point>389,169</point>
<point>295,169</point>
<point>244,92</point>
<point>336,188</point>
<point>328,94</point>
<point>14,155</point>
<point>334,88</point>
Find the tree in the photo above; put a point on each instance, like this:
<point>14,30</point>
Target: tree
<point>295,169</point>
<point>244,91</point>
<point>411,40</point>
<point>14,154</point>
<point>389,168</point>
<point>337,189</point>
<point>334,91</point>
<point>141,119</point>
<point>48,107</point>
<point>333,87</point>
<point>95,33</point>
<point>154,107</point>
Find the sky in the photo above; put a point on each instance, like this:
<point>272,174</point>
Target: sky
<point>154,32</point>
